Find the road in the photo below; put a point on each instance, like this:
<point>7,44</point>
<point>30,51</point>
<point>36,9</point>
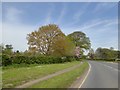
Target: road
<point>101,75</point>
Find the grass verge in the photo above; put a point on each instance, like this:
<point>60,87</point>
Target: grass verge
<point>12,76</point>
<point>63,80</point>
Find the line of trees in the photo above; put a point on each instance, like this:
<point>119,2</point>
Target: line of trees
<point>104,54</point>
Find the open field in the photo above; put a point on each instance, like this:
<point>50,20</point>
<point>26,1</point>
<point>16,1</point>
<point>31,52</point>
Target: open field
<point>12,76</point>
<point>64,80</point>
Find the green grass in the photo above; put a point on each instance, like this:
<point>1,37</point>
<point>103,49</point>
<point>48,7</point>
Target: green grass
<point>63,80</point>
<point>12,76</point>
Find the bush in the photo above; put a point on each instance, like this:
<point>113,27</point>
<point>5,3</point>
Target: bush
<point>6,60</point>
<point>22,59</point>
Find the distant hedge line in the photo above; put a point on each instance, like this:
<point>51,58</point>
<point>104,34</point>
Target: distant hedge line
<point>7,60</point>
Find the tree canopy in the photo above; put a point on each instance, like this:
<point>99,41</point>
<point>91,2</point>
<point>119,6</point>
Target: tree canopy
<point>47,40</point>
<point>105,53</point>
<point>80,39</point>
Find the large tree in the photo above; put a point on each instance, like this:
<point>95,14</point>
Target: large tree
<point>80,40</point>
<point>47,40</point>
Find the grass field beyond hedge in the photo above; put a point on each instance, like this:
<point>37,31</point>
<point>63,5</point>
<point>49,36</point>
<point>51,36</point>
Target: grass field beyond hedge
<point>12,76</point>
<point>63,80</point>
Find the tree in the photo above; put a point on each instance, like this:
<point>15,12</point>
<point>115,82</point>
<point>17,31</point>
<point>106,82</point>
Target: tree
<point>63,47</point>
<point>47,40</point>
<point>118,54</point>
<point>80,40</point>
<point>91,54</point>
<point>104,53</point>
<point>98,53</point>
<point>111,48</point>
<point>1,48</point>
<point>8,49</point>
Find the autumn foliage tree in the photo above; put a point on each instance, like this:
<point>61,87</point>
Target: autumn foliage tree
<point>48,40</point>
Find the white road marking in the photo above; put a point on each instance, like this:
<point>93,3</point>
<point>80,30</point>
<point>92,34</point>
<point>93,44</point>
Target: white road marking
<point>85,76</point>
<point>110,67</point>
<point>112,62</point>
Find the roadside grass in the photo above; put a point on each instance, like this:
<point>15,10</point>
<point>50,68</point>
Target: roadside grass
<point>12,76</point>
<point>63,80</point>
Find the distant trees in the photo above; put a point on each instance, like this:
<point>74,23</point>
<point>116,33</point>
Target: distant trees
<point>7,49</point>
<point>105,53</point>
<point>49,40</point>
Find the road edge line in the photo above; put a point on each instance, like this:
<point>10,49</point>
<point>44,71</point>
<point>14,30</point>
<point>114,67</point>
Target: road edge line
<point>85,76</point>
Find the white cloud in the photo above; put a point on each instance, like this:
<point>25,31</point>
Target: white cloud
<point>102,33</point>
<point>12,15</point>
<point>16,35</point>
<point>78,15</point>
<point>14,31</point>
<point>63,11</point>
<point>48,19</point>
<point>87,26</point>
<point>105,5</point>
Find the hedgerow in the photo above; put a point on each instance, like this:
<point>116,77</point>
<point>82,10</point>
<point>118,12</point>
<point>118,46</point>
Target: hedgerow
<point>22,59</point>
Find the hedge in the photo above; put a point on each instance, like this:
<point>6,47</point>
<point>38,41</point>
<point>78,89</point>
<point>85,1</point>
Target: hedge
<point>9,60</point>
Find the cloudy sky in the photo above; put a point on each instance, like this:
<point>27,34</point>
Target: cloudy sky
<point>96,19</point>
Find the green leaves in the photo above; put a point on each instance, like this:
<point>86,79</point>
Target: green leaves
<point>79,39</point>
<point>104,53</point>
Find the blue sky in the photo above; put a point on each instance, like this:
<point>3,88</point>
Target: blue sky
<point>99,21</point>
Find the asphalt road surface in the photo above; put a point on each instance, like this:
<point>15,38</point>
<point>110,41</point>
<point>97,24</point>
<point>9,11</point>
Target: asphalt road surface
<point>102,75</point>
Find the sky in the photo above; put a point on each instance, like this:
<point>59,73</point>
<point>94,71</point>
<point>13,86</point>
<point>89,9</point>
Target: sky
<point>98,20</point>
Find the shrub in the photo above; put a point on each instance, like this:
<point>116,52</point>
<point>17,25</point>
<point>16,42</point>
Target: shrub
<point>6,60</point>
<point>22,59</point>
